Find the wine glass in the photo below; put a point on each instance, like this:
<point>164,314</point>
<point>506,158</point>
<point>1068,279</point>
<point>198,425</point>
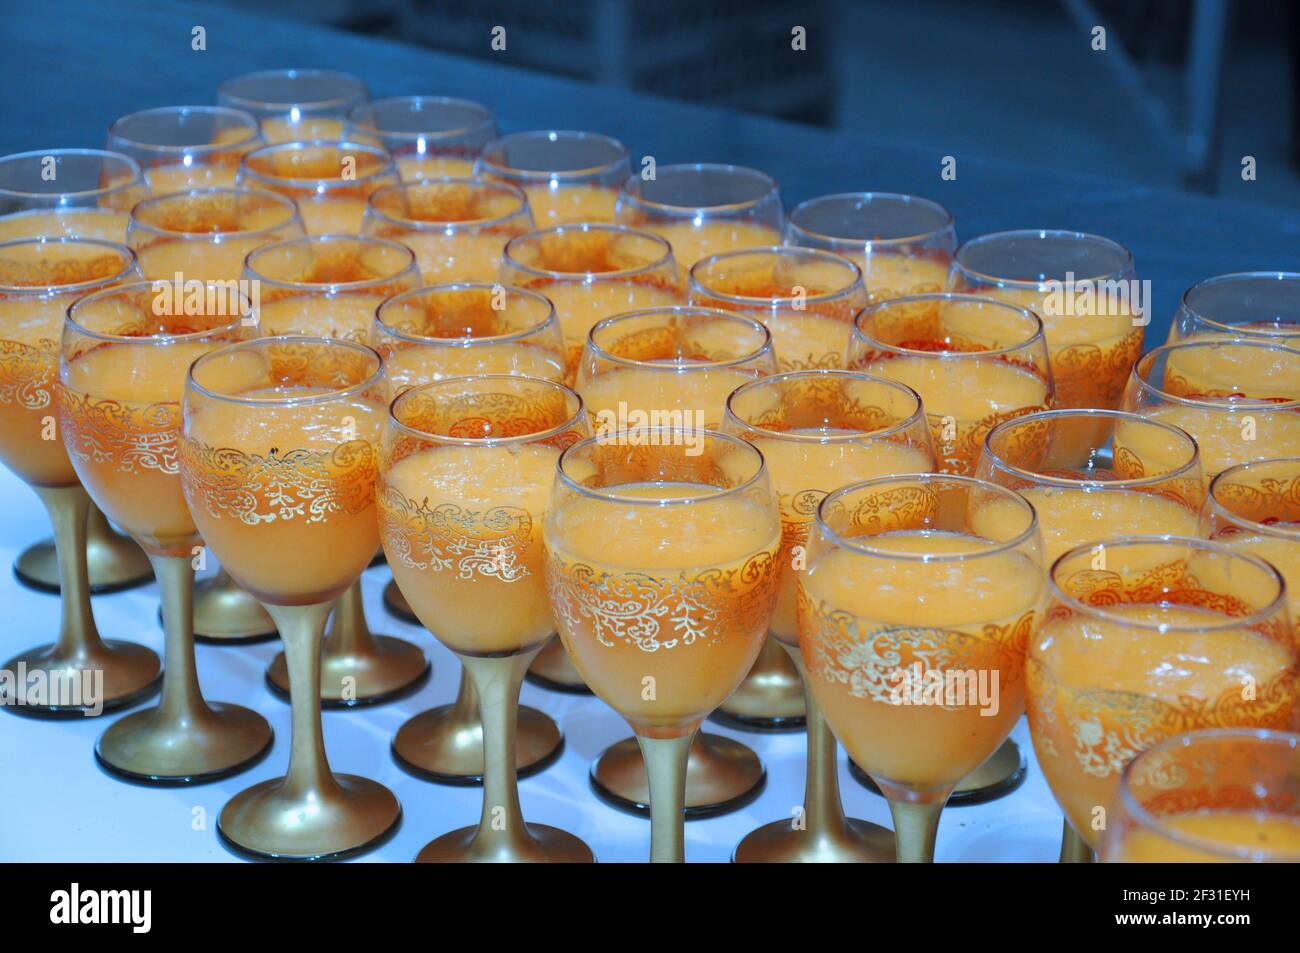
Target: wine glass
<point>125,353</point>
<point>428,136</point>
<point>279,458</point>
<point>818,429</point>
<point>1079,491</point>
<point>39,279</point>
<point>430,334</point>
<point>180,148</point>
<point>295,104</point>
<point>591,272</point>
<point>1237,398</point>
<point>330,286</point>
<point>902,243</point>
<point>77,193</point>
<point>1220,795</point>
<point>675,366</point>
<point>974,361</point>
<point>465,478</point>
<point>703,209</point>
<point>913,625</point>
<point>1255,507</point>
<point>329,179</point>
<point>1146,637</point>
<point>1249,306</point>
<point>663,626</point>
<point>569,177</point>
<point>457,228</point>
<point>807,299</point>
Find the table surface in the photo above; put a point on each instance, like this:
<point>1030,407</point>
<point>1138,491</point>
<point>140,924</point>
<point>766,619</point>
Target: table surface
<point>69,68</point>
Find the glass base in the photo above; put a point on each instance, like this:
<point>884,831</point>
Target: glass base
<point>997,777</point>
<point>145,748</point>
<point>543,845</point>
<point>722,776</point>
<point>132,673</point>
<point>224,614</point>
<point>858,842</point>
<point>395,669</point>
<point>113,563</point>
<point>436,746</point>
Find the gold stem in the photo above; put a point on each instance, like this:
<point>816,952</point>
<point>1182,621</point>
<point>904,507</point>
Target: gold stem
<point>349,634</point>
<point>181,697</point>
<point>465,708</point>
<point>1074,849</point>
<point>823,809</point>
<point>69,509</point>
<point>301,630</point>
<point>915,829</point>
<point>665,765</point>
<point>497,681</point>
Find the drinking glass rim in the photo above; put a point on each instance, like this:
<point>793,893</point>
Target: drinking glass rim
<point>773,189</point>
<point>856,543</point>
<point>351,390</point>
<point>676,366</point>
<point>1155,823</point>
<point>331,287</point>
<point>782,302</point>
<point>948,222</point>
<point>486,117</point>
<point>573,420</point>
<point>917,415</point>
<point>466,340</point>
<point>1171,539</point>
<point>1222,404</point>
<point>161,339</point>
<point>389,167</point>
<point>282,200</point>
<point>872,308</point>
<point>1041,233</point>
<point>293,72</point>
<point>1232,277</point>
<point>509,171</point>
<point>420,224</point>
<point>598,493</point>
<point>507,259</point>
<point>1096,412</point>
<point>136,179</point>
<point>1267,529</point>
<point>47,290</point>
<point>246,119</point>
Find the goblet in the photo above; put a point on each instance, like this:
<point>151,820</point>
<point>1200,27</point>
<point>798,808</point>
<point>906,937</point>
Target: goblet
<point>1078,491</point>
<point>1255,507</point>
<point>458,228</point>
<point>1220,795</point>
<point>807,299</point>
<point>902,243</point>
<point>329,179</point>
<point>279,457</point>
<point>85,193</point>
<point>591,272</point>
<point>569,177</point>
<point>913,625</point>
<point>1239,399</point>
<point>431,334</point>
<point>180,148</point>
<point>1249,306</point>
<point>465,478</point>
<point>664,625</point>
<point>330,286</point>
<point>295,104</point>
<point>702,209</point>
<point>975,362</point>
<point>121,373</point>
<point>818,429</point>
<point>428,136</point>
<point>1143,638</point>
<point>675,366</point>
<point>39,278</point>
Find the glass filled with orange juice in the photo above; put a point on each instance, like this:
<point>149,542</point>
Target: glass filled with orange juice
<point>428,136</point>
<point>329,179</point>
<point>186,147</point>
<point>294,105</point>
<point>76,193</point>
<point>569,177</point>
<point>1261,305</point>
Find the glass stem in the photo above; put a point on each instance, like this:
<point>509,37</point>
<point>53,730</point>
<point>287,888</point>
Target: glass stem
<point>497,681</point>
<point>1074,849</point>
<point>69,509</point>
<point>665,765</point>
<point>182,699</point>
<point>349,634</point>
<point>301,630</point>
<point>823,809</point>
<point>915,829</point>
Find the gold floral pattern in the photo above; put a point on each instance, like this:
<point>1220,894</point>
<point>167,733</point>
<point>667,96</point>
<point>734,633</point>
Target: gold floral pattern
<point>27,372</point>
<point>129,436</point>
<point>449,538</point>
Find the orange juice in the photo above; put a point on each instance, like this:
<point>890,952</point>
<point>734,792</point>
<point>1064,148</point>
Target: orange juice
<point>276,130</point>
<point>1267,836</point>
<point>414,166</point>
<point>692,242</point>
<point>565,204</point>
<point>803,340</point>
<point>409,366</point>
<point>700,394</point>
<point>579,305</point>
<point>103,223</point>
<point>345,316</point>
<point>31,443</point>
<point>893,276</point>
<point>1282,551</point>
<point>1227,434</point>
